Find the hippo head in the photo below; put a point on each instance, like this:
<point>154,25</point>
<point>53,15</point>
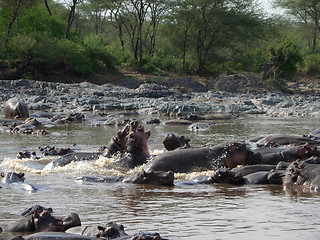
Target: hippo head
<point>238,154</point>
<point>224,175</point>
<point>171,142</point>
<point>152,177</point>
<point>71,220</point>
<point>305,151</point>
<point>35,208</point>
<point>45,222</point>
<point>137,142</point>
<point>75,117</point>
<point>292,174</point>
<point>235,154</point>
<point>111,230</point>
<point>12,177</point>
<point>121,138</point>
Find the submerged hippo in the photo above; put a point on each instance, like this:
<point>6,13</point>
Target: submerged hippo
<point>199,126</point>
<point>41,220</point>
<point>14,108</point>
<point>109,230</point>
<point>143,177</point>
<point>71,236</point>
<point>286,140</point>
<point>275,155</point>
<point>71,157</point>
<point>16,181</point>
<point>222,155</point>
<point>171,142</point>
<point>216,116</point>
<point>303,175</point>
<point>53,151</point>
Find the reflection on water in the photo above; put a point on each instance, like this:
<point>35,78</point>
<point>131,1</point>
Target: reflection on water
<point>179,212</point>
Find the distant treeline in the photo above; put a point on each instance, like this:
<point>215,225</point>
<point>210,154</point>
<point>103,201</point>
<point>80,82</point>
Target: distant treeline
<point>83,37</point>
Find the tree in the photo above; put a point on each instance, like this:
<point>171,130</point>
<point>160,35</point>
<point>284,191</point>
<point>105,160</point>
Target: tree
<point>15,15</point>
<point>214,29</point>
<point>306,12</point>
<point>72,11</point>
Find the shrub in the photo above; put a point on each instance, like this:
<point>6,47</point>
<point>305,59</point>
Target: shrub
<point>282,61</point>
<point>312,63</point>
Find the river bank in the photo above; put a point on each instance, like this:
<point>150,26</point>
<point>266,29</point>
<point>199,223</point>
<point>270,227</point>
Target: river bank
<point>152,98</point>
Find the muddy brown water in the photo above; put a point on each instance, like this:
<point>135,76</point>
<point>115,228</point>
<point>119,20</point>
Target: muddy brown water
<point>179,212</point>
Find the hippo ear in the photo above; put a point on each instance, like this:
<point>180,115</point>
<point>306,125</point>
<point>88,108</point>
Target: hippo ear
<point>101,228</point>
<point>2,174</point>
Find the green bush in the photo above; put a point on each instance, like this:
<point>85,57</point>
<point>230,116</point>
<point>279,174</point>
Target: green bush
<point>37,19</point>
<point>98,53</point>
<point>283,59</point>
<point>312,63</point>
<point>40,53</point>
<point>228,67</point>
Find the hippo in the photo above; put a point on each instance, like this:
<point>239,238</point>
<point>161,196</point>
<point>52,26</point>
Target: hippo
<point>287,154</point>
<point>136,149</point>
<point>106,231</point>
<point>71,236</point>
<point>224,175</point>
<point>276,176</point>
<point>35,208</point>
<point>14,108</point>
<point>171,142</point>
<point>303,175</point>
<point>71,157</point>
<point>199,126</point>
<point>246,170</point>
<point>222,155</point>
<point>221,176</point>
<point>216,116</point>
<point>286,140</point>
<point>153,121</point>
<point>118,143</point>
<point>27,154</point>
<point>63,118</point>
<point>57,236</point>
<point>41,220</point>
<point>53,151</point>
<point>16,181</point>
<point>178,122</point>
<point>260,177</point>
<point>143,177</point>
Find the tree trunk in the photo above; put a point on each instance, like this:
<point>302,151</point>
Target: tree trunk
<point>15,15</point>
<point>47,6</point>
<point>71,17</point>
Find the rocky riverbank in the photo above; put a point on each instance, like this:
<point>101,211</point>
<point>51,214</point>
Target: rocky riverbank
<point>172,98</point>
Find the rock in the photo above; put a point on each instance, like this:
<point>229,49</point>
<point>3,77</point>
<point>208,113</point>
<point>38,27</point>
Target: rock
<point>186,82</point>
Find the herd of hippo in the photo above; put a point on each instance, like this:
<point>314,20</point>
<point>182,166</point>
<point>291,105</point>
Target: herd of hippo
<point>290,161</point>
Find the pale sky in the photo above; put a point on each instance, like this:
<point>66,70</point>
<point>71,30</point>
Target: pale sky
<point>267,6</point>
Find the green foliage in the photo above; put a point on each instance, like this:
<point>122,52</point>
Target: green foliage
<point>283,58</point>
<point>38,53</point>
<point>37,19</point>
<point>312,63</point>
<point>205,37</point>
<point>98,53</point>
<point>228,67</point>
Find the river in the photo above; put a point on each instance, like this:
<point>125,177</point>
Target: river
<point>178,212</point>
